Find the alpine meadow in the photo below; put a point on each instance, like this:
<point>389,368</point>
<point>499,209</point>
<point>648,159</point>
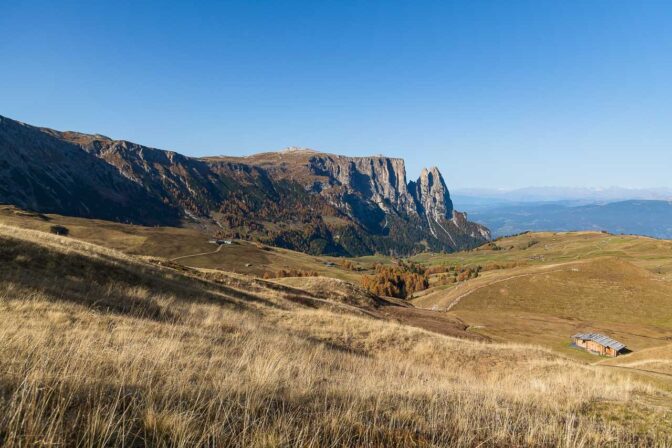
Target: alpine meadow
<point>170,276</point>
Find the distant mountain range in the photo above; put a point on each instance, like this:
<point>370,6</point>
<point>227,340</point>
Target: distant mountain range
<point>640,217</point>
<point>552,194</point>
<point>300,199</point>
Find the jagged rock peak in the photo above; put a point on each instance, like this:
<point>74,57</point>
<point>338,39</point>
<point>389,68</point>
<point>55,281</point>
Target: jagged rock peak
<point>432,194</point>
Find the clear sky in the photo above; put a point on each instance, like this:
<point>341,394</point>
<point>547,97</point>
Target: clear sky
<point>496,93</point>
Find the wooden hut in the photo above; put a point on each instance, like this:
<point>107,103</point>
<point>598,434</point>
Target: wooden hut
<point>598,344</point>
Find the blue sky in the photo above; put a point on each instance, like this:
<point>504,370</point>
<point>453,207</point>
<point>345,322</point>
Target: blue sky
<point>498,94</point>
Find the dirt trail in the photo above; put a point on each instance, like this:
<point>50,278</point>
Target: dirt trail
<point>198,255</point>
<point>653,373</point>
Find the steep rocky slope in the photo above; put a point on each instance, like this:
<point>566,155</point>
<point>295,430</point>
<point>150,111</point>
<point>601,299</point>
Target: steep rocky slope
<point>301,199</point>
<point>44,172</point>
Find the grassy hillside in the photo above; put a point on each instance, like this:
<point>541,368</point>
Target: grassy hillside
<point>190,246</point>
<point>541,288</point>
<point>653,360</point>
<point>100,348</point>
<point>547,247</point>
<point>536,287</point>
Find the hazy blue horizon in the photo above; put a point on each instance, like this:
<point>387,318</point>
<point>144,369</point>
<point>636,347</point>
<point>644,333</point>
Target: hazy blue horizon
<point>497,94</point>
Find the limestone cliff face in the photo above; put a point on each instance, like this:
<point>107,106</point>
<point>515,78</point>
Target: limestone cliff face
<point>381,180</point>
<point>300,199</point>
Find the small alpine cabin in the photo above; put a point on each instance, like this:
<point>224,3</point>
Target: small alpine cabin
<point>598,344</point>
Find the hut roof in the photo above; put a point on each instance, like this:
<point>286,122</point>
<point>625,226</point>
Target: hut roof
<point>600,339</point>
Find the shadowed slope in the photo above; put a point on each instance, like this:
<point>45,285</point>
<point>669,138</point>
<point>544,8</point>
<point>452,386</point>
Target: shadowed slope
<point>41,172</point>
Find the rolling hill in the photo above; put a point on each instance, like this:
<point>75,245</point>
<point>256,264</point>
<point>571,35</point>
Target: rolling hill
<point>534,288</point>
<point>542,287</point>
<point>189,246</point>
<point>99,346</point>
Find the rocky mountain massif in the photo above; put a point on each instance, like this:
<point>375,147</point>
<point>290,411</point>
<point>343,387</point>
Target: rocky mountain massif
<point>300,199</point>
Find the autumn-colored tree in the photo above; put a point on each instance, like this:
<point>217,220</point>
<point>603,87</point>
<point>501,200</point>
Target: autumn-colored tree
<point>282,273</point>
<point>399,281</point>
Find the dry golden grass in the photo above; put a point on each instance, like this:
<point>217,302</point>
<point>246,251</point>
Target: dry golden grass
<point>102,349</point>
<point>541,248</point>
<point>655,360</point>
<point>547,303</point>
<point>333,289</point>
